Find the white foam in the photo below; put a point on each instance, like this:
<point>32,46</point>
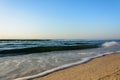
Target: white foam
<point>109,44</point>
<point>62,67</point>
<point>53,70</point>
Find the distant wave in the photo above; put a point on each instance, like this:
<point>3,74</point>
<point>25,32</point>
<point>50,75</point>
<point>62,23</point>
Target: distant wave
<point>112,43</point>
<point>15,52</point>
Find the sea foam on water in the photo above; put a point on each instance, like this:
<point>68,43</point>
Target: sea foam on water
<point>109,44</point>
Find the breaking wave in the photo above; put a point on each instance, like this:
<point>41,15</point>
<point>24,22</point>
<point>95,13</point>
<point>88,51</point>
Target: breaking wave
<point>109,44</point>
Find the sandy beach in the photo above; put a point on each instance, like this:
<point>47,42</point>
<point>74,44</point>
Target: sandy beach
<point>102,68</point>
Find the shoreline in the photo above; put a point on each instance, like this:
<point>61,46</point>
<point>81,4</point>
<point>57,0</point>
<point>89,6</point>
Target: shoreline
<point>106,67</point>
<point>64,67</point>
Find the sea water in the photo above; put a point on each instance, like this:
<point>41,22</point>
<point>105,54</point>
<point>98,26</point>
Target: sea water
<point>20,67</point>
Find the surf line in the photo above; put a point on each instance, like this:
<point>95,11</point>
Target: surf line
<point>84,60</point>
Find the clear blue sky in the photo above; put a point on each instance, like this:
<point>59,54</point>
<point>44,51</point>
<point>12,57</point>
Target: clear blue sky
<point>68,19</point>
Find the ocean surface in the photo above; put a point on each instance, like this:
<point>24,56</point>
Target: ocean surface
<point>31,65</point>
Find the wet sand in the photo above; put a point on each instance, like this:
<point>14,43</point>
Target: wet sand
<point>103,68</point>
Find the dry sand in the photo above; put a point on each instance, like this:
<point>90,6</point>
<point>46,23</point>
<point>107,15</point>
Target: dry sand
<point>103,68</point>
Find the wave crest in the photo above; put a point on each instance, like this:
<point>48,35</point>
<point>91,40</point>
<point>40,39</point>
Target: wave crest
<point>109,44</point>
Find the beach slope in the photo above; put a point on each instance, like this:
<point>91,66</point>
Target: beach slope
<point>103,68</point>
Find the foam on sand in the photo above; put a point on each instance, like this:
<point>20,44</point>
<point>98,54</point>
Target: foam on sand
<point>103,68</point>
<point>62,67</point>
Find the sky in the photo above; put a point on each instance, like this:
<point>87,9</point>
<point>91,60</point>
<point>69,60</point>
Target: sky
<point>59,19</point>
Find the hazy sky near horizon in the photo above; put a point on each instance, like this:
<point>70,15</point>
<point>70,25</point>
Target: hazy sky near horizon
<point>60,19</point>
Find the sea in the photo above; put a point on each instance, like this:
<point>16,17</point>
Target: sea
<point>31,65</point>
